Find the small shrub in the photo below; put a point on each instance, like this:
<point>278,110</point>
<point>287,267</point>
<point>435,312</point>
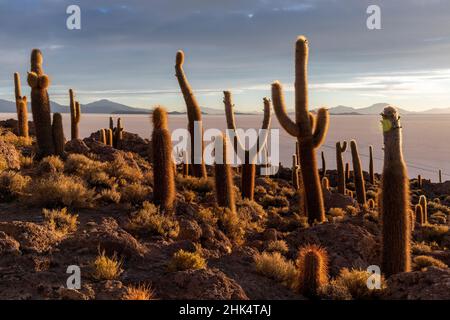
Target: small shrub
<point>201,185</point>
<point>351,210</point>
<point>439,217</point>
<point>277,246</point>
<point>356,283</point>
<point>12,185</point>
<point>149,219</point>
<point>229,223</point>
<point>183,260</point>
<point>433,232</point>
<point>50,165</point>
<point>275,266</point>
<point>188,195</point>
<point>336,212</point>
<point>120,169</point>
<point>139,292</point>
<point>206,215</point>
<point>134,193</point>
<point>420,248</point>
<point>274,201</point>
<point>25,162</point>
<point>423,262</point>
<point>60,221</point>
<point>110,196</point>
<point>60,190</point>
<point>106,268</point>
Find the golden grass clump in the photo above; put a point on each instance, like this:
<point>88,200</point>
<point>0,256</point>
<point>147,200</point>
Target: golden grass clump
<point>230,223</point>
<point>60,190</point>
<point>201,185</point>
<point>106,268</point>
<point>120,169</point>
<point>25,162</point>
<point>184,260</point>
<point>336,212</point>
<point>139,292</point>
<point>150,220</point>
<point>17,141</point>
<point>60,221</point>
<point>134,193</point>
<point>312,262</point>
<point>50,165</point>
<point>110,195</point>
<point>273,265</point>
<point>423,262</point>
<point>277,246</point>
<point>12,185</point>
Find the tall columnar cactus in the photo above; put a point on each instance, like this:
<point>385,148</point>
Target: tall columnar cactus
<point>347,172</point>
<point>297,152</point>
<point>371,172</point>
<point>312,262</point>
<point>185,164</point>
<point>324,165</point>
<point>295,172</point>
<point>223,178</point>
<point>424,204</point>
<point>310,134</point>
<point>194,119</point>
<point>109,137</point>
<point>75,116</point>
<point>163,164</point>
<point>251,153</point>
<point>40,105</point>
<point>118,134</point>
<point>358,174</point>
<point>440,176</point>
<point>394,198</point>
<point>420,219</point>
<point>102,138</point>
<point>111,123</point>
<point>21,107</point>
<point>419,181</point>
<point>58,135</point>
<point>340,148</point>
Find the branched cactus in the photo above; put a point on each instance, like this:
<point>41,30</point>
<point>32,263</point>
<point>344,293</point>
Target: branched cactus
<point>358,174</point>
<point>424,204</point>
<point>340,148</point>
<point>312,262</point>
<point>420,219</point>
<point>58,135</point>
<point>294,174</point>
<point>371,172</point>
<point>324,165</point>
<point>40,106</point>
<point>75,116</point>
<point>250,154</point>
<point>309,133</point>
<point>223,179</point>
<point>163,164</point>
<point>394,198</point>
<point>194,119</point>
<point>22,108</point>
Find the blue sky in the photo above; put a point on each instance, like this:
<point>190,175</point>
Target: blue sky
<point>125,50</point>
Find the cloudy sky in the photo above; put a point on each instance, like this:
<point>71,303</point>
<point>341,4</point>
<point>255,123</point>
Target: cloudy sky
<point>125,50</point>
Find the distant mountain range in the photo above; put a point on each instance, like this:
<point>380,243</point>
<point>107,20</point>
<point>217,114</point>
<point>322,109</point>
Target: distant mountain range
<point>111,107</point>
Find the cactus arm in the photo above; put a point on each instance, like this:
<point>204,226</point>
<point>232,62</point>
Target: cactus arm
<point>78,112</point>
<point>280,110</point>
<point>301,87</point>
<point>262,139</point>
<point>312,121</point>
<point>321,127</point>
<point>343,146</point>
<point>231,123</point>
<point>17,89</point>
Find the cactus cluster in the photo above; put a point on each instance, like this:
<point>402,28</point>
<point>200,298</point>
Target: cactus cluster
<point>21,107</point>
<point>114,135</point>
<point>394,198</point>
<point>309,130</point>
<point>251,153</point>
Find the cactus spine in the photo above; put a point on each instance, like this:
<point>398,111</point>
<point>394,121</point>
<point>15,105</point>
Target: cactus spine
<point>250,154</point>
<point>313,265</point>
<point>394,198</point>
<point>58,135</point>
<point>40,105</point>
<point>340,148</point>
<point>22,108</point>
<point>163,165</point>
<point>358,174</point>
<point>424,204</point>
<point>222,175</point>
<point>75,115</point>
<point>371,172</point>
<point>194,119</point>
<point>310,135</point>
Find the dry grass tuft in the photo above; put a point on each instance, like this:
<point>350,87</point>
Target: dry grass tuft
<point>139,292</point>
<point>106,268</point>
<point>277,246</point>
<point>275,266</point>
<point>12,185</point>
<point>60,221</point>
<point>50,165</point>
<point>423,262</point>
<point>183,260</point>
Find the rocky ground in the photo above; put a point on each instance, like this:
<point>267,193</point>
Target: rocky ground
<point>109,192</point>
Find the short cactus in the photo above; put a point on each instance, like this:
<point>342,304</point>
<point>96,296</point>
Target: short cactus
<point>419,181</point>
<point>58,135</point>
<point>312,262</point>
<point>394,199</point>
<point>310,134</point>
<point>223,179</point>
<point>163,164</point>
<point>250,154</point>
<point>102,137</point>
<point>325,184</point>
<point>440,176</point>
<point>371,204</point>
<point>347,172</point>
<point>111,123</point>
<point>194,119</point>
<point>109,137</point>
<point>22,108</point>
<point>75,116</point>
<point>340,148</point>
<point>358,174</point>
<point>371,172</point>
<point>295,172</point>
<point>420,219</point>
<point>424,204</point>
<point>40,106</point>
<point>118,134</point>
